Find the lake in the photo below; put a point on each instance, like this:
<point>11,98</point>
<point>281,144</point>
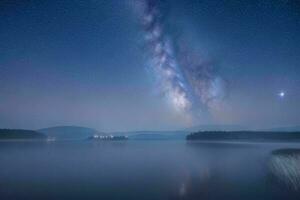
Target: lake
<point>147,170</point>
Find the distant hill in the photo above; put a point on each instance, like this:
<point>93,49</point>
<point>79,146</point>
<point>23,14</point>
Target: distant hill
<point>244,136</point>
<point>215,127</point>
<point>7,134</point>
<point>159,136</point>
<point>285,129</point>
<point>70,132</point>
<point>154,135</point>
<point>233,127</point>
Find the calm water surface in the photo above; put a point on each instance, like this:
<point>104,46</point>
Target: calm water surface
<point>147,170</point>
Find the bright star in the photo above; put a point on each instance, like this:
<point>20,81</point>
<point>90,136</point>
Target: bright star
<point>281,94</point>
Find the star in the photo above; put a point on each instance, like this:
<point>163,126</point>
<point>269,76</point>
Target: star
<point>281,94</point>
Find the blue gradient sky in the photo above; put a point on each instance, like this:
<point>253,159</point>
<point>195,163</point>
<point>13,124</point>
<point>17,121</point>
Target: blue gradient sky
<point>85,63</point>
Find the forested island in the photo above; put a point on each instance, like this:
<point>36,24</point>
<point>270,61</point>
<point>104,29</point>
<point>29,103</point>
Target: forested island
<point>244,136</point>
<point>13,134</point>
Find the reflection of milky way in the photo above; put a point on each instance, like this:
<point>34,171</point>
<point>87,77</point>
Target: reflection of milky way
<point>184,79</point>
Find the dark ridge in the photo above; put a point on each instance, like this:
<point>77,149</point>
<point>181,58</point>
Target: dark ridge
<point>288,151</point>
<point>6,134</point>
<point>245,135</point>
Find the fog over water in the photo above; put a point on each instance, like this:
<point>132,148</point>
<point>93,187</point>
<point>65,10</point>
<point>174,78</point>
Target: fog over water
<point>143,170</point>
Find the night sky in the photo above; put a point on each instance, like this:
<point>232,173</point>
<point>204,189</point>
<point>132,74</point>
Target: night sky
<point>149,65</point>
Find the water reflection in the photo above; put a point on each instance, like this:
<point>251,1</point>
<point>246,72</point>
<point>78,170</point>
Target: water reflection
<point>146,170</point>
<point>221,170</point>
<point>285,165</point>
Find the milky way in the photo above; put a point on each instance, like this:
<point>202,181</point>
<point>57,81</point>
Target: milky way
<point>185,80</point>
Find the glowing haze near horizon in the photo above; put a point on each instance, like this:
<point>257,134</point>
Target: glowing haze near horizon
<point>149,64</point>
